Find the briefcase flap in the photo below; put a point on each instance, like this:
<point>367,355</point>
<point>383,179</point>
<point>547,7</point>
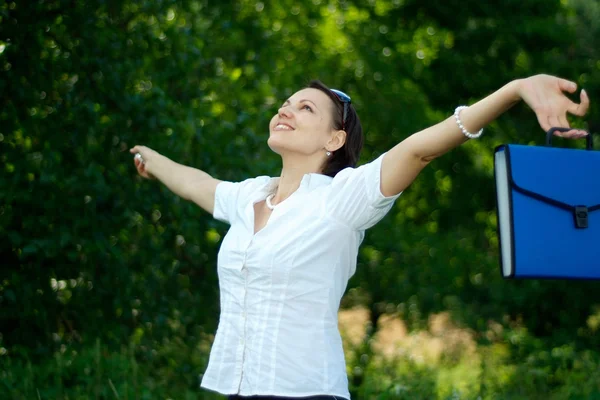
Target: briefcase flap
<point>565,178</point>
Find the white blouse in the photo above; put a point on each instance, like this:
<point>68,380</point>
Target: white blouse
<point>281,287</point>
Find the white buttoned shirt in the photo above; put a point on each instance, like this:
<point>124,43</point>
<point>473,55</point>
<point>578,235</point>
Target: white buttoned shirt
<point>280,289</point>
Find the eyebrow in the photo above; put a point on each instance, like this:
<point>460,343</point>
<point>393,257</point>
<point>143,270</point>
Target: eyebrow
<point>300,101</point>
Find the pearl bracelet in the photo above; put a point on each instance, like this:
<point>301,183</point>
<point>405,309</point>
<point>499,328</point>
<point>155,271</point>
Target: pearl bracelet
<point>462,127</point>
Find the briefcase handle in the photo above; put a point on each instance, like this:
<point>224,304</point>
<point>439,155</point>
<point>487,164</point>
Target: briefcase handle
<point>589,142</point>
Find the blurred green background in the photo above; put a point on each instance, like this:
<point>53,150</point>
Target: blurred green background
<point>108,286</point>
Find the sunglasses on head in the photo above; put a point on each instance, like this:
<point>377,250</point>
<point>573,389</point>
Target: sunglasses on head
<point>345,99</point>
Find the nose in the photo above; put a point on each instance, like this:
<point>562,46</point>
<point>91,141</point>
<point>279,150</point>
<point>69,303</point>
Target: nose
<point>284,111</point>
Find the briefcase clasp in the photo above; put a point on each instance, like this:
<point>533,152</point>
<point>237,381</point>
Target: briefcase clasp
<point>581,217</point>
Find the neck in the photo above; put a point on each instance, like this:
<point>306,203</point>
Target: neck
<point>291,176</point>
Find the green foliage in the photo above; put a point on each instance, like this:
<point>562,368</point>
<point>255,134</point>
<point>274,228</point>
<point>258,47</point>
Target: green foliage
<point>91,252</point>
<point>97,372</point>
<point>558,373</point>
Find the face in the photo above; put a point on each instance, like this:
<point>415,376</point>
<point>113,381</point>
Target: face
<point>303,124</point>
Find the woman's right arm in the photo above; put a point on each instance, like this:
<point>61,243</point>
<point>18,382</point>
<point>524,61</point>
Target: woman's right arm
<point>189,183</point>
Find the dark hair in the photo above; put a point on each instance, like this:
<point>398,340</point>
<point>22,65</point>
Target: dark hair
<point>347,155</point>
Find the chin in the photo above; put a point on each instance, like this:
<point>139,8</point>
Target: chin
<point>282,144</point>
<point>274,144</point>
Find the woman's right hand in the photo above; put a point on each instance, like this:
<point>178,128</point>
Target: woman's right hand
<point>142,164</point>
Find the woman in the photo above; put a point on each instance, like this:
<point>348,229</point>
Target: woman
<point>293,242</point>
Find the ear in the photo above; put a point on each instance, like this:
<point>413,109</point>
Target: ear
<point>337,140</point>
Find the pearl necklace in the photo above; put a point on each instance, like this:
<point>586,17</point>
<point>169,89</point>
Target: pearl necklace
<point>268,201</point>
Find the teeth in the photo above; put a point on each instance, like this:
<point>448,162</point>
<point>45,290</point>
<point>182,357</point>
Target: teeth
<point>283,127</point>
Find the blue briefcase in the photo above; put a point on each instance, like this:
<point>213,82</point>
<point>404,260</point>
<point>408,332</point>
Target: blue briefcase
<point>548,207</point>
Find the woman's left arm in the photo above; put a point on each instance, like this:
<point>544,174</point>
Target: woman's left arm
<point>544,94</point>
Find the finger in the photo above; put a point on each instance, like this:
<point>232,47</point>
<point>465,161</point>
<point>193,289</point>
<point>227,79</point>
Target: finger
<point>582,108</point>
<point>562,120</point>
<point>567,86</point>
<point>585,102</point>
<point>554,122</point>
<point>145,174</point>
<point>573,134</point>
<point>137,149</point>
<point>584,96</point>
<point>140,166</point>
<point>142,171</point>
<point>543,121</point>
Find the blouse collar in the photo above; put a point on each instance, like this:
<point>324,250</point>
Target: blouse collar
<point>309,182</point>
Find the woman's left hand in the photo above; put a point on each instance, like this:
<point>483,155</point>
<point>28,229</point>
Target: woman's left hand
<point>545,95</point>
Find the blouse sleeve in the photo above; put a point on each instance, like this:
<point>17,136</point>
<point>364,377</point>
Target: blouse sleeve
<point>356,199</point>
<point>232,197</point>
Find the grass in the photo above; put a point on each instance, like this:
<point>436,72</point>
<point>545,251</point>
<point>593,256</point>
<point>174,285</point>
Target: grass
<point>96,372</point>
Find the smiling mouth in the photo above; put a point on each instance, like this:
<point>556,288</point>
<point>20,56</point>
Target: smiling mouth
<point>283,127</point>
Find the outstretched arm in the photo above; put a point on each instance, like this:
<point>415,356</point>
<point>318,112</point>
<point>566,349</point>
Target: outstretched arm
<point>187,182</point>
<point>544,95</point>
